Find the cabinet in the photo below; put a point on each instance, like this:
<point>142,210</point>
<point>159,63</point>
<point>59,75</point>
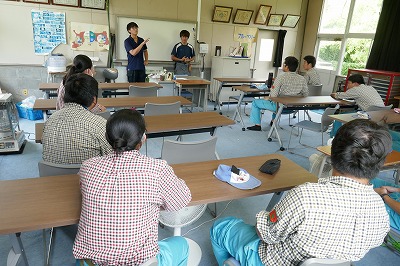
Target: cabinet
<point>12,139</point>
<point>227,67</point>
<point>387,83</point>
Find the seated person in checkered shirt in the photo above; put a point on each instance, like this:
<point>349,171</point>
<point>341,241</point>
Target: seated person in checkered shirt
<point>81,64</point>
<point>287,84</point>
<point>390,194</point>
<point>74,133</point>
<point>311,76</point>
<point>340,217</point>
<point>364,96</point>
<point>122,194</point>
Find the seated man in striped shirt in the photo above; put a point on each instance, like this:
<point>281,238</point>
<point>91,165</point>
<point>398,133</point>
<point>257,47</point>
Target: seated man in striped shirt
<point>287,84</point>
<point>311,76</point>
<point>340,217</point>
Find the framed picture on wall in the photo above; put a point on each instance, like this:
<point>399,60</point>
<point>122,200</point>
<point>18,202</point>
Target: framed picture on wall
<point>222,14</point>
<point>74,3</point>
<point>38,1</point>
<point>291,21</point>
<point>275,20</point>
<point>243,16</point>
<point>262,14</point>
<point>95,4</point>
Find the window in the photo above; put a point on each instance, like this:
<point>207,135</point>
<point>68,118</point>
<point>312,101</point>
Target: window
<point>346,32</point>
<point>266,48</point>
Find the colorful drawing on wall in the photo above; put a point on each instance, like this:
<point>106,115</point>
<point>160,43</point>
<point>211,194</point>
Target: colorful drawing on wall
<point>48,30</point>
<point>89,37</point>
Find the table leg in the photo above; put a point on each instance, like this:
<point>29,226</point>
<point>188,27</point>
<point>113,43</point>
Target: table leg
<point>217,98</point>
<point>206,91</point>
<point>274,128</point>
<point>237,112</point>
<point>17,251</point>
<point>274,200</point>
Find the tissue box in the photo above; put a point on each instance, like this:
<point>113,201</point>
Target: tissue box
<point>29,113</point>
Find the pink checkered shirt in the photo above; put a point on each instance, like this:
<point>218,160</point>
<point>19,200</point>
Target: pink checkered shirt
<point>121,200</point>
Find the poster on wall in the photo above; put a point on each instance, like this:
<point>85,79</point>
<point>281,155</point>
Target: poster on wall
<point>48,30</point>
<point>89,37</point>
<point>245,34</point>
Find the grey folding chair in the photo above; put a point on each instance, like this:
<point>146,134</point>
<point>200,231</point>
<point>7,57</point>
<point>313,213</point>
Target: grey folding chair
<point>162,109</point>
<point>379,108</point>
<point>151,109</point>
<point>183,152</point>
<point>324,262</point>
<point>150,262</point>
<point>315,90</point>
<point>314,126</point>
<point>136,91</point>
<point>309,262</point>
<point>52,169</point>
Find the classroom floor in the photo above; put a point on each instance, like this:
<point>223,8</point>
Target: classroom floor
<point>232,142</point>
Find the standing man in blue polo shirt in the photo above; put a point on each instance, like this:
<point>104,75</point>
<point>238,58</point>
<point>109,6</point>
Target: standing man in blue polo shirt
<point>183,54</point>
<point>138,57</point>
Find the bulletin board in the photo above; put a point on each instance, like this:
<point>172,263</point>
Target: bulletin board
<point>163,36</point>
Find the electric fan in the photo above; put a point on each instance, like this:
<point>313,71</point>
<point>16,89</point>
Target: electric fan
<point>183,217</point>
<point>316,161</point>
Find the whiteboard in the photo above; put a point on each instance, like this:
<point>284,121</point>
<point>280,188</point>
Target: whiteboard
<point>163,36</point>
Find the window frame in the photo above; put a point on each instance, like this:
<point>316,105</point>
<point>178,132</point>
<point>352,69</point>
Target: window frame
<point>341,36</point>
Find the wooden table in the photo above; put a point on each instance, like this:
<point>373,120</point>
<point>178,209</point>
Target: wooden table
<point>392,160</point>
<point>247,91</point>
<point>301,103</point>
<point>138,102</point>
<point>195,83</point>
<point>38,203</point>
<point>228,82</point>
<point>172,125</point>
<point>390,115</point>
<point>51,87</point>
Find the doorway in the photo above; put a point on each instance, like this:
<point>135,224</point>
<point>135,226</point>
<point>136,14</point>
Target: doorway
<point>263,54</point>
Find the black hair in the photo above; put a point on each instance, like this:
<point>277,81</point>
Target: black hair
<point>124,130</point>
<point>310,59</point>
<point>131,25</point>
<point>81,89</point>
<point>356,78</point>
<point>360,148</point>
<point>184,33</point>
<point>292,63</point>
<point>81,63</point>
